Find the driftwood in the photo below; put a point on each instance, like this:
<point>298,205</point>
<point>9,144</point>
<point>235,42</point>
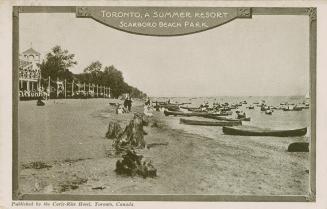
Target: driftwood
<point>132,165</point>
<point>298,147</point>
<point>36,165</point>
<point>133,134</point>
<point>114,130</point>
<point>71,183</point>
<point>156,144</point>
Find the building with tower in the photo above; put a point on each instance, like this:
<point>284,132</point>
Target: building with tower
<point>29,72</point>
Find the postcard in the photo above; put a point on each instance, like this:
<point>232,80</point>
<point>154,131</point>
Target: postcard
<point>122,104</point>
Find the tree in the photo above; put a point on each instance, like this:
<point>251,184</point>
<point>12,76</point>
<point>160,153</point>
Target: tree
<point>108,76</point>
<point>114,78</point>
<point>94,67</point>
<point>57,64</point>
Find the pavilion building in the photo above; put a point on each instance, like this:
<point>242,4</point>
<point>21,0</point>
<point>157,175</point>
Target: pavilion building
<point>29,71</point>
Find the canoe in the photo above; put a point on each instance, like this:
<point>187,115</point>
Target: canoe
<point>172,108</point>
<point>255,131</point>
<point>198,114</point>
<point>245,119</point>
<point>210,123</point>
<point>190,108</point>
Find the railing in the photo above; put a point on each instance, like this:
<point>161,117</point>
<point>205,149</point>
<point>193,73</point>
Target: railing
<point>64,89</point>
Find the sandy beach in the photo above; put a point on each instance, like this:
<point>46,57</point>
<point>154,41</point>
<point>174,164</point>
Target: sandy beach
<point>69,136</point>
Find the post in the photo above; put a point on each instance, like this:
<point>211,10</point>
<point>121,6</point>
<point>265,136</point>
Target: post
<point>39,83</point>
<point>72,94</point>
<point>109,93</point>
<point>65,89</point>
<point>49,87</point>
<point>88,93</point>
<point>84,89</point>
<point>97,90</point>
<point>57,87</point>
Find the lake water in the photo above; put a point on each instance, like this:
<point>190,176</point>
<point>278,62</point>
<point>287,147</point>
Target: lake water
<point>278,120</point>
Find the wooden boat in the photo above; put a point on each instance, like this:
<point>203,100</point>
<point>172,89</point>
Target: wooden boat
<point>297,108</point>
<point>172,108</point>
<point>264,108</point>
<point>198,114</point>
<point>255,131</point>
<point>185,103</point>
<point>210,123</point>
<point>298,147</point>
<point>245,119</point>
<point>190,108</point>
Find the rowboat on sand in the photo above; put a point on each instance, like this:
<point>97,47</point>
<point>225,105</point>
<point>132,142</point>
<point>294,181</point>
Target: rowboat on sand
<point>255,131</point>
<point>198,114</point>
<point>190,108</point>
<point>245,119</point>
<point>210,123</point>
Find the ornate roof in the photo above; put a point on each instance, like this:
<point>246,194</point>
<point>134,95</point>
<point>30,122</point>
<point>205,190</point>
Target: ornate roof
<point>31,51</point>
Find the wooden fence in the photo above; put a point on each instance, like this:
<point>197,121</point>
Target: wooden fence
<point>52,89</point>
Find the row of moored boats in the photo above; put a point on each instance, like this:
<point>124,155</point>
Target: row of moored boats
<point>220,115</point>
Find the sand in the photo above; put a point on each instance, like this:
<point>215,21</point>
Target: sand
<point>69,136</point>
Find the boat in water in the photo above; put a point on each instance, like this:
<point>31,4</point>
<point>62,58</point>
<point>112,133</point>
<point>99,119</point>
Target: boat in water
<point>251,107</point>
<point>210,123</point>
<point>198,114</point>
<point>256,131</point>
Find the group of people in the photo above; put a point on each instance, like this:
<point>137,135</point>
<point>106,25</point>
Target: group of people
<point>126,107</point>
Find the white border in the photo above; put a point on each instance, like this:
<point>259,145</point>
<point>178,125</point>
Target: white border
<point>6,95</point>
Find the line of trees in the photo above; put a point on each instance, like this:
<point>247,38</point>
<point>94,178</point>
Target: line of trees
<point>58,62</point>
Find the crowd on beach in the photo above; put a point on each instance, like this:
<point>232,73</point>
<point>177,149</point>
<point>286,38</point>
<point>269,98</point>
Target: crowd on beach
<point>126,107</point>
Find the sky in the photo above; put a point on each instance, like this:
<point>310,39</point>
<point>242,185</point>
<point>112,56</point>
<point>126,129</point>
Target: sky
<point>263,56</point>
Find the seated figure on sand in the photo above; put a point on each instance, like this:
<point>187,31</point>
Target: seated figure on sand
<point>120,109</point>
<point>147,110</point>
<point>39,102</point>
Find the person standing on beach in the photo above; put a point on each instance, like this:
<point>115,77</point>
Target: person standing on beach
<point>126,103</point>
<point>129,103</point>
<point>148,102</point>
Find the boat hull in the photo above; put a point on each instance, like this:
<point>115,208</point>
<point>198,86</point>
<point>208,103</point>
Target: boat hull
<point>210,123</point>
<point>264,132</point>
<point>198,114</point>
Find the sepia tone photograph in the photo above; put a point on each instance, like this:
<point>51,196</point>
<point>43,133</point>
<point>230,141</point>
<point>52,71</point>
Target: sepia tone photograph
<point>166,101</point>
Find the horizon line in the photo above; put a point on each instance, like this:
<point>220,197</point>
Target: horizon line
<point>238,96</point>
